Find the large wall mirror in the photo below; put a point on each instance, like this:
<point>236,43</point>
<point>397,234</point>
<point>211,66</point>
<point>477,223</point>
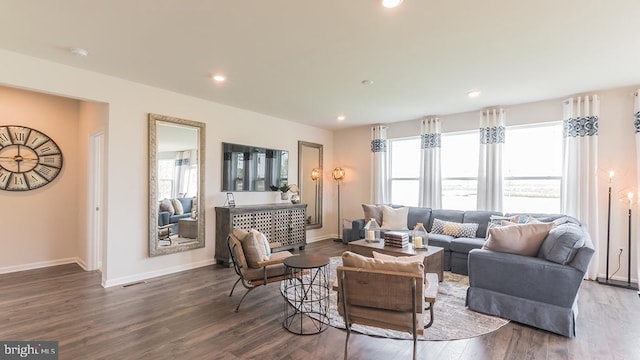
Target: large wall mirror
<point>310,181</point>
<point>176,184</point>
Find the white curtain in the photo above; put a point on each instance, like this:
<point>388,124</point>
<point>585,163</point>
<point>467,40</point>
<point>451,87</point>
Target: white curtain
<point>580,166</point>
<point>430,177</point>
<point>379,166</point>
<point>636,123</point>
<point>490,162</point>
<point>182,173</point>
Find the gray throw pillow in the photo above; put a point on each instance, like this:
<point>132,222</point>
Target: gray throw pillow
<point>372,211</point>
<point>562,243</point>
<point>166,205</point>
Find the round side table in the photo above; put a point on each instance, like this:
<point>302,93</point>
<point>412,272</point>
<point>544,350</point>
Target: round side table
<point>306,294</point>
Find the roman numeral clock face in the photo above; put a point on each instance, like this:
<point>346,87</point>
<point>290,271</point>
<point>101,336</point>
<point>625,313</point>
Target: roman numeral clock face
<point>29,159</point>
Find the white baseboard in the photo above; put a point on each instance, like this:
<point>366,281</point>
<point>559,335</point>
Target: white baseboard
<point>325,237</point>
<point>41,264</point>
<point>151,274</point>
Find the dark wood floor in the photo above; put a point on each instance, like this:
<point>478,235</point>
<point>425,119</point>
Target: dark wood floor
<point>190,316</point>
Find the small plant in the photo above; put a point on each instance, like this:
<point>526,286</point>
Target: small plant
<point>284,188</point>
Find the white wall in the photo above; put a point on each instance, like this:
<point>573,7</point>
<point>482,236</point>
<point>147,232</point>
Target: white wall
<point>127,185</point>
<point>616,152</point>
<point>40,226</point>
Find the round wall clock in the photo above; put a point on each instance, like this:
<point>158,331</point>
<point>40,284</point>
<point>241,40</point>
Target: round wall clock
<point>29,159</point>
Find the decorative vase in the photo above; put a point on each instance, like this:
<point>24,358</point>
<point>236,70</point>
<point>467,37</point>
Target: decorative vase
<point>284,196</point>
<point>295,198</point>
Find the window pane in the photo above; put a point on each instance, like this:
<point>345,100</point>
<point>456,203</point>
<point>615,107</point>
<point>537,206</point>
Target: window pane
<point>533,150</point>
<point>459,158</point>
<point>535,196</point>
<point>405,158</point>
<point>405,192</point>
<point>459,194</point>
<point>459,154</point>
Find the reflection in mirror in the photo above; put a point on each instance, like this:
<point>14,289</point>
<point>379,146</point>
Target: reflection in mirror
<point>310,181</point>
<point>251,168</point>
<point>176,178</point>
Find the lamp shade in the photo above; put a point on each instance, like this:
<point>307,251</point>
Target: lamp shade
<point>315,174</point>
<point>338,173</point>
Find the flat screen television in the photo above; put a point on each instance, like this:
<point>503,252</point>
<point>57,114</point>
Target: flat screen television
<point>252,168</point>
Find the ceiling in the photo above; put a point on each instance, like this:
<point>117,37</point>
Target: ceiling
<point>304,60</point>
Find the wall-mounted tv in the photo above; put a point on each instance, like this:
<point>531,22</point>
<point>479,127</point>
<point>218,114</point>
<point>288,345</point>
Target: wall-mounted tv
<point>252,168</point>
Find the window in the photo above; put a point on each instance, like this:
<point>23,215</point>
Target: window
<point>166,166</point>
<point>405,170</point>
<point>459,165</point>
<point>532,168</point>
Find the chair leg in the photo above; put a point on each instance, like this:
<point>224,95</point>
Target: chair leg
<point>415,344</point>
<point>234,286</point>
<point>346,341</point>
<point>243,296</point>
<point>430,308</point>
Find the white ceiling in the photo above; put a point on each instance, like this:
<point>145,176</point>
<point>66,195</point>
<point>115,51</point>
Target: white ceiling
<point>304,60</point>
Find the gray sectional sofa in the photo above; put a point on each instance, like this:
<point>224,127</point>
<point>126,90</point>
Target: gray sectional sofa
<point>456,250</point>
<point>540,290</point>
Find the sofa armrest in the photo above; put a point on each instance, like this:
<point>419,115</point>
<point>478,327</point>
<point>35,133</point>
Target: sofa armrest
<point>163,218</point>
<point>356,228</point>
<point>524,277</point>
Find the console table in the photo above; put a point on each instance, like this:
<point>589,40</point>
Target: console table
<point>283,225</point>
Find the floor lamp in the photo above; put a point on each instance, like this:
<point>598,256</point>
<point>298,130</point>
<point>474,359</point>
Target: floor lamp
<point>315,175</point>
<point>606,278</point>
<point>338,175</point>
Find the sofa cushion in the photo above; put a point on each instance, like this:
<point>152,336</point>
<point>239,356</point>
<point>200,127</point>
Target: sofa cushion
<point>187,204</point>
<point>166,205</point>
<point>463,245</point>
<point>454,229</point>
<point>372,211</point>
<point>440,240</point>
<point>562,243</point>
<point>481,218</point>
<point>418,215</point>
<point>446,215</point>
<point>394,219</point>
<point>358,261</point>
<point>521,239</point>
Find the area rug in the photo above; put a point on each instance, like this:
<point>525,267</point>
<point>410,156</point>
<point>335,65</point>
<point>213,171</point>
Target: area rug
<point>453,320</point>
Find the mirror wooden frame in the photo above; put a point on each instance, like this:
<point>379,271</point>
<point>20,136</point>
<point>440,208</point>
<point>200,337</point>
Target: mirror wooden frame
<point>154,249</point>
<point>304,179</point>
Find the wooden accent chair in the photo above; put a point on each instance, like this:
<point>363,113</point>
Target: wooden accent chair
<point>266,272</point>
<point>390,297</point>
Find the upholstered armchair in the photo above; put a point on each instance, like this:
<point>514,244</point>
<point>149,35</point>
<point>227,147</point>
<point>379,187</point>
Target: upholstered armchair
<point>253,263</point>
<point>384,294</point>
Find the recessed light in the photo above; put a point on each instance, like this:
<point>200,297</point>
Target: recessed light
<point>79,52</point>
<point>391,3</point>
<point>341,117</point>
<point>474,93</point>
<point>219,78</point>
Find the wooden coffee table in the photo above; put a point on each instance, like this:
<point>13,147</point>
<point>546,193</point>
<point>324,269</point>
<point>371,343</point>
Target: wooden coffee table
<point>433,255</point>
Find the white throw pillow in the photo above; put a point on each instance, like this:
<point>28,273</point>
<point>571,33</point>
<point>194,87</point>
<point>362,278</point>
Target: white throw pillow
<point>177,205</point>
<point>394,219</point>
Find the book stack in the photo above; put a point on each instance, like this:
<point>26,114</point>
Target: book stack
<point>396,239</point>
